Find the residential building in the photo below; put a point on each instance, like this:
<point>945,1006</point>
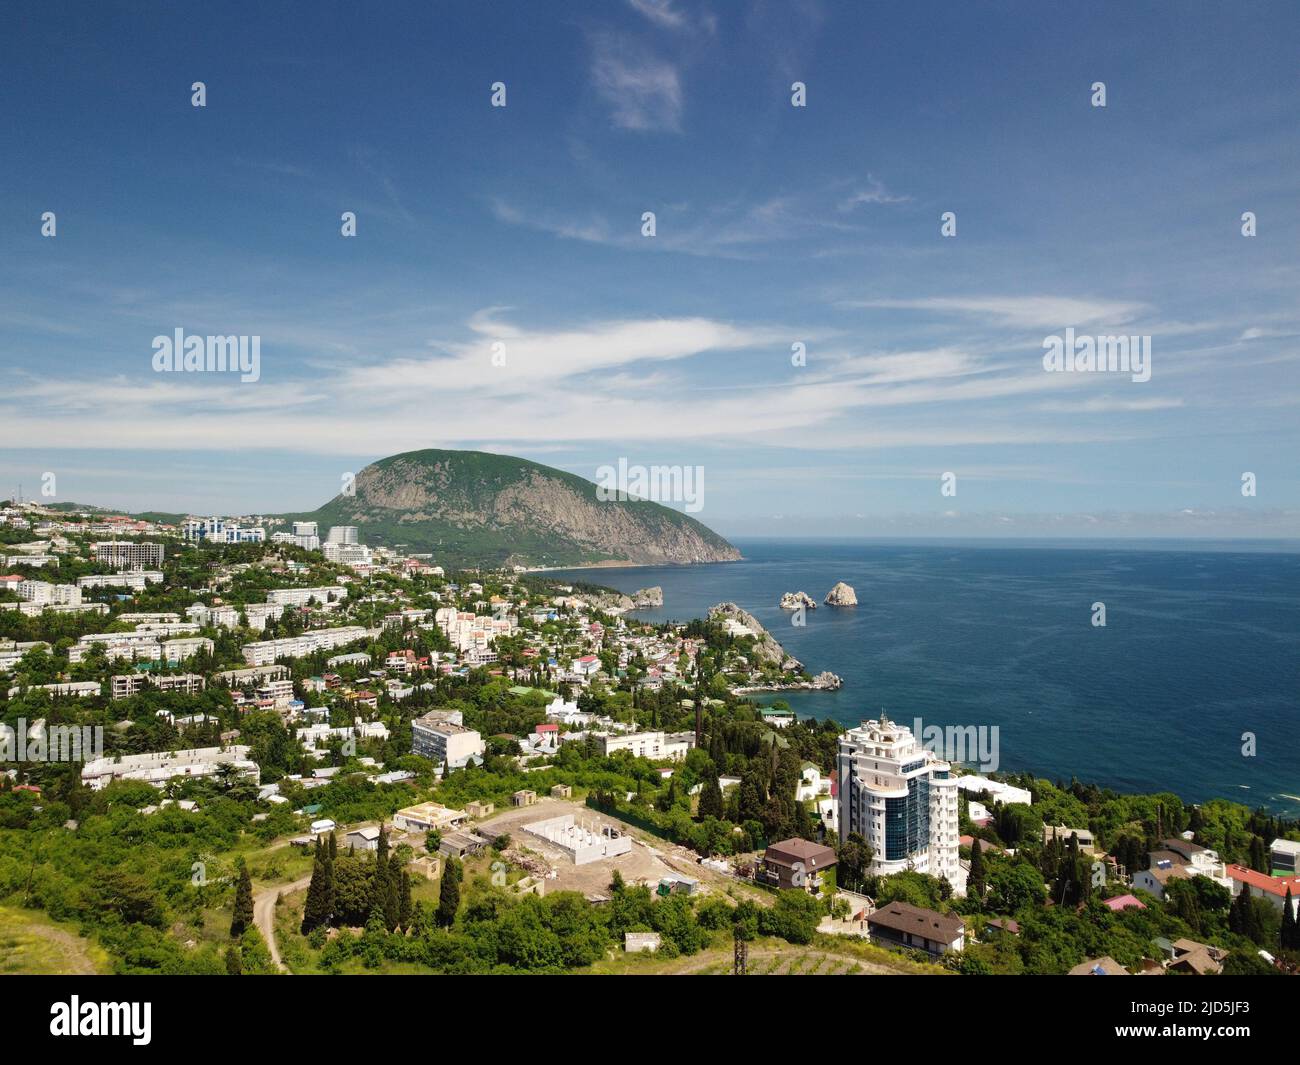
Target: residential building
<point>435,737</point>
<point>427,816</point>
<point>902,799</point>
<point>239,678</point>
<point>135,581</point>
<point>1103,966</point>
<point>1163,866</point>
<point>1263,886</point>
<point>776,718</point>
<point>304,596</point>
<point>1087,841</point>
<point>652,745</point>
<point>899,924</point>
<point>798,863</point>
<point>128,554</point>
<point>1197,959</point>
<point>266,652</point>
<point>44,593</point>
<point>363,839</point>
<point>995,789</point>
<point>130,684</point>
<point>1284,856</point>
<point>160,767</point>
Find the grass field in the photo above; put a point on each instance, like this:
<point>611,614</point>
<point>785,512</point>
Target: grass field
<point>32,944</point>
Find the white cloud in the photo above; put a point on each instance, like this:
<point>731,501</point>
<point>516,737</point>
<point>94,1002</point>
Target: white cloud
<point>643,92</point>
<point>1047,312</point>
<point>874,192</point>
<point>660,12</point>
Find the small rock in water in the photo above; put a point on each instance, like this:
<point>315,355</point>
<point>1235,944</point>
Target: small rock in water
<point>842,595</point>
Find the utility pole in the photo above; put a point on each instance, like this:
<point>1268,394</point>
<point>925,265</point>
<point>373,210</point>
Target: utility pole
<point>740,963</point>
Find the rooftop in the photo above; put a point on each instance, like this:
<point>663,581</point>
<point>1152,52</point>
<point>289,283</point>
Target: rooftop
<point>903,917</point>
<point>789,851</point>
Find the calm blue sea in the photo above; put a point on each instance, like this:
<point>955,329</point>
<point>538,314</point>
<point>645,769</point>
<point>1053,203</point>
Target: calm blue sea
<point>1201,645</point>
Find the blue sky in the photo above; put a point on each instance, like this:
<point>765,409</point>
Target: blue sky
<point>775,225</point>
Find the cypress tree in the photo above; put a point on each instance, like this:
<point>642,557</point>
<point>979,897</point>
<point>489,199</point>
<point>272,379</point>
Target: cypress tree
<point>393,903</point>
<point>449,893</point>
<point>243,916</point>
<point>234,967</point>
<point>711,799</point>
<point>405,910</point>
<point>977,869</point>
<point>328,892</point>
<point>312,907</point>
<point>1287,936</point>
<point>1236,913</point>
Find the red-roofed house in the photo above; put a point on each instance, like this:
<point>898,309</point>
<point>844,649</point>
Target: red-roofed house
<point>1263,886</point>
<point>1124,902</point>
<point>546,735</point>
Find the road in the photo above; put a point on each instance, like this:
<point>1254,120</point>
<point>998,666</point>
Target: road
<point>264,914</point>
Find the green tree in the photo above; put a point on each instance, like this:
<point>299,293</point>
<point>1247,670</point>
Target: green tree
<point>794,917</point>
<point>243,916</point>
<point>854,860</point>
<point>710,800</point>
<point>449,893</point>
<point>977,873</point>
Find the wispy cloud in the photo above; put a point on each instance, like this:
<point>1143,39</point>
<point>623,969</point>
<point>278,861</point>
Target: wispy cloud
<point>642,91</point>
<point>873,192</point>
<point>1049,312</point>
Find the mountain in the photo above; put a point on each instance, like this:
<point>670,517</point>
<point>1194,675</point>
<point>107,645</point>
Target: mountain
<point>474,508</point>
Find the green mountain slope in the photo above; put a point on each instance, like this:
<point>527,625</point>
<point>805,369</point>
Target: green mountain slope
<point>475,508</point>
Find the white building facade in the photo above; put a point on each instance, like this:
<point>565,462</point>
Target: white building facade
<point>902,799</point>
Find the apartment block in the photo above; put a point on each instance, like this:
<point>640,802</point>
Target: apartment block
<point>128,554</point>
<point>265,652</point>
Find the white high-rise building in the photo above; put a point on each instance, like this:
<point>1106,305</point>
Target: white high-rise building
<point>902,799</point>
<point>342,534</point>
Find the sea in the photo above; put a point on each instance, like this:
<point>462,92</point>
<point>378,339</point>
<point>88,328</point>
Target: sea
<point>1192,686</point>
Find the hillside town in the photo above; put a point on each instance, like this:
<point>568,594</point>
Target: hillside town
<point>358,758</point>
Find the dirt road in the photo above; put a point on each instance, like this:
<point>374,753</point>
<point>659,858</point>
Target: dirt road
<point>264,914</point>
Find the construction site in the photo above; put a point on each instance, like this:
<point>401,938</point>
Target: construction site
<point>583,840</point>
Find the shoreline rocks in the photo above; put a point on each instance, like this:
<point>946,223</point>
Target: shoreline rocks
<point>766,647</point>
<point>841,595</point>
<point>648,597</point>
<point>824,681</point>
<point>795,600</point>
